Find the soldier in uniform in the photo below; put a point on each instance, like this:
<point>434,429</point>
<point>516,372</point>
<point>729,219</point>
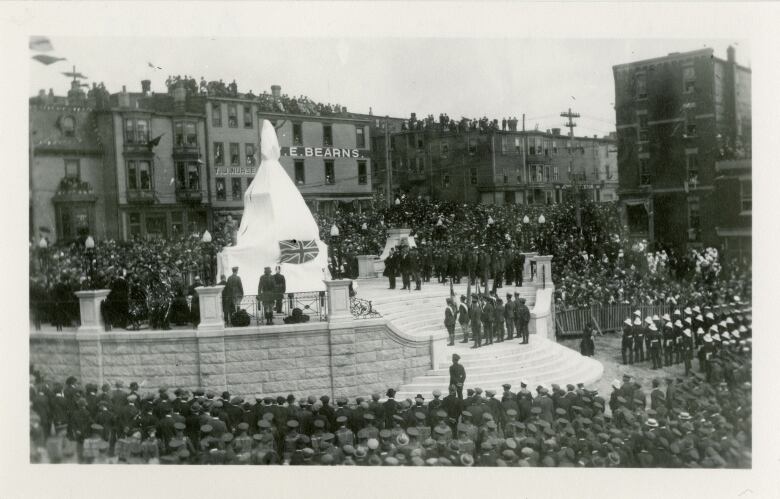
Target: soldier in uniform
<point>639,341</point>
<point>391,267</point>
<point>449,320</point>
<point>457,375</point>
<point>498,323</point>
<point>668,343</point>
<point>266,295</point>
<point>280,286</point>
<point>509,316</point>
<point>687,349</point>
<point>475,316</point>
<point>522,318</point>
<point>233,293</point>
<point>627,343</point>
<point>655,346</point>
<point>488,315</point>
<point>464,318</point>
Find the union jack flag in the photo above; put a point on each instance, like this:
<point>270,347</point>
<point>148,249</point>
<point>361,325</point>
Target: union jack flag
<point>297,252</point>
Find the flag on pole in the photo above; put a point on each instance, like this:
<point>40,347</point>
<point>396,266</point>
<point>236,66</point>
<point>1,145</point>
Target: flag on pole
<point>41,44</point>
<point>155,141</point>
<point>298,252</point>
<point>47,59</point>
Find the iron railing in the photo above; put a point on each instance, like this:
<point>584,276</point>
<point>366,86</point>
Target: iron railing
<point>311,303</point>
<point>362,309</point>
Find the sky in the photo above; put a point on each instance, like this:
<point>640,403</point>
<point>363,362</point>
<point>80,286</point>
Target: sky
<point>493,77</point>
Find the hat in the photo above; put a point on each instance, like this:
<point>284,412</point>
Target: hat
<point>709,315</point>
<point>708,338</point>
<point>697,309</point>
<point>637,313</point>
<point>652,327</point>
<point>687,332</point>
<point>637,322</point>
<point>436,393</point>
<point>677,323</point>
<point>616,383</point>
<point>402,439</point>
<point>179,426</point>
<point>651,422</point>
<point>627,322</point>
<point>205,428</point>
<point>466,460</point>
<point>649,319</point>
<point>292,423</point>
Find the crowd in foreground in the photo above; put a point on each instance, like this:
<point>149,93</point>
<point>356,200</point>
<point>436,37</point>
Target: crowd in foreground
<point>700,420</point>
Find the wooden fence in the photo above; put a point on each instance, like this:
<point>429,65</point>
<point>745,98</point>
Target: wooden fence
<point>571,322</point>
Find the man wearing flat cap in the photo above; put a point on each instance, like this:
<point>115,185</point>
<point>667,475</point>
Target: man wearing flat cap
<point>266,295</point>
<point>457,375</point>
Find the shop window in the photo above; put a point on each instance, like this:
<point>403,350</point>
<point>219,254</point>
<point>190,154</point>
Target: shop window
<point>134,224</point>
<point>235,188</point>
<point>177,224</point>
<point>221,189</point>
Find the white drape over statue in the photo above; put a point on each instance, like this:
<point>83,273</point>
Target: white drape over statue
<point>274,211</point>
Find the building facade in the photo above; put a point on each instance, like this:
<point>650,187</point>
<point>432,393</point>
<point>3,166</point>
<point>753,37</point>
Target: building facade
<point>677,116</point>
<point>734,220</point>
<point>498,166</point>
<point>67,182</point>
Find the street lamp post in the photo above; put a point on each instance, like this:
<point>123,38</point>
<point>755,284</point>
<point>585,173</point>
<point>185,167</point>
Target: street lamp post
<point>526,221</point>
<point>207,249</point>
<point>335,251</point>
<point>542,239</point>
<point>89,260</point>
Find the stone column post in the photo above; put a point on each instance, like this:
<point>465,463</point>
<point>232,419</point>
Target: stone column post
<point>210,299</point>
<point>338,300</point>
<point>89,309</point>
<point>527,267</point>
<point>342,340</point>
<point>543,270</point>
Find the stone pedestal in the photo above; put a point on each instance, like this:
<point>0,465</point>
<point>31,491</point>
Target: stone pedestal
<point>394,238</point>
<point>527,266</point>
<point>543,277</point>
<point>211,316</point>
<point>366,266</point>
<point>338,300</point>
<point>89,308</point>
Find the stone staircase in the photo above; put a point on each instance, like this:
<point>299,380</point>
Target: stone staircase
<point>421,314</point>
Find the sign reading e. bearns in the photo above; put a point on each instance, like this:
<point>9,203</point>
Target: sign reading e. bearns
<point>324,152</point>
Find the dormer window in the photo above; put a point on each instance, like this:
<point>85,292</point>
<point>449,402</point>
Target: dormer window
<point>68,126</point>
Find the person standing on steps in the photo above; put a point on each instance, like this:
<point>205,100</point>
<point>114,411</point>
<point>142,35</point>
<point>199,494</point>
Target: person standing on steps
<point>457,376</point>
<point>475,316</point>
<point>449,320</point>
<point>525,317</point>
<point>266,294</point>
<point>463,318</point>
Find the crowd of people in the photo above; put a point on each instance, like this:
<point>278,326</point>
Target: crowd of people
<point>445,123</point>
<point>702,420</point>
<point>594,262</point>
<point>266,102</point>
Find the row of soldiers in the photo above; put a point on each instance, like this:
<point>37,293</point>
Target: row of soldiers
<point>693,423</point>
<point>674,339</point>
<point>488,317</point>
<point>421,263</point>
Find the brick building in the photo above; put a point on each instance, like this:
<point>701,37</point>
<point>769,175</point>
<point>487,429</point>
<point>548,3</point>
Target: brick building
<point>677,116</point>
<point>498,166</point>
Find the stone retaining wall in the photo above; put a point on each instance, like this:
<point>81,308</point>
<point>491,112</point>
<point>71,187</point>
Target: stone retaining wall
<point>352,358</point>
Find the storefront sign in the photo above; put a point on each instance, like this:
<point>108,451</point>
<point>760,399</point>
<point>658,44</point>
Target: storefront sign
<point>324,152</point>
<point>236,170</point>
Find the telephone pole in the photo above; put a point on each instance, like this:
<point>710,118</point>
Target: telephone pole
<point>388,166</point>
<point>572,175</point>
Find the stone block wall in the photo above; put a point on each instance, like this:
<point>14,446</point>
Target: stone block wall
<point>352,358</point>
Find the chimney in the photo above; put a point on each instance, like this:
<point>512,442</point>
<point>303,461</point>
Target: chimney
<point>146,87</point>
<point>731,54</point>
<point>556,131</point>
<point>179,98</point>
<point>124,98</point>
<point>276,91</point>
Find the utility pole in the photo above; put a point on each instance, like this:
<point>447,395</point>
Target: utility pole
<point>572,176</point>
<point>388,166</point>
<point>525,172</point>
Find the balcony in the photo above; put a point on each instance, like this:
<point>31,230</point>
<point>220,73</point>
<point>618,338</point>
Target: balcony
<point>141,196</point>
<point>72,190</point>
<point>189,195</point>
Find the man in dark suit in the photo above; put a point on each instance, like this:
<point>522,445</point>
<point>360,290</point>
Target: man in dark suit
<point>389,408</point>
<point>523,316</point>
<point>280,286</point>
<point>457,375</point>
<point>233,293</point>
<point>475,316</point>
<point>463,318</point>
